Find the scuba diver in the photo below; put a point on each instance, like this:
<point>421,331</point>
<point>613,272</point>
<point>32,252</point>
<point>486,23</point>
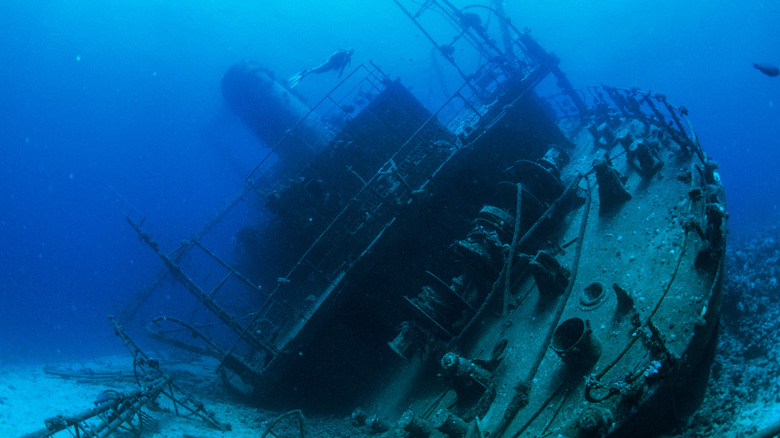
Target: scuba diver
<point>339,60</point>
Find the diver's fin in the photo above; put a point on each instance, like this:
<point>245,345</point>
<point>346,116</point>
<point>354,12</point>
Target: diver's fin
<point>296,79</point>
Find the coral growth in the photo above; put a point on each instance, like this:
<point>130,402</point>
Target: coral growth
<point>742,396</point>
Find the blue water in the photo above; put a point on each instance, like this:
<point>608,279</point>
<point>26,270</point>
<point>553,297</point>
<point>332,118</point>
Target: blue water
<point>126,94</point>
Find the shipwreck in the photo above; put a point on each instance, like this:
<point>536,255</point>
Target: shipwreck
<point>526,259</point>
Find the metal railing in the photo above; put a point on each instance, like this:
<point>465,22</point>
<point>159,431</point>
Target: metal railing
<point>646,106</point>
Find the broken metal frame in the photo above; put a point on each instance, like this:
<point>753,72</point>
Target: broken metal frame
<point>107,417</point>
<point>115,411</point>
<point>155,331</point>
<point>147,368</point>
<point>298,419</point>
<point>89,375</point>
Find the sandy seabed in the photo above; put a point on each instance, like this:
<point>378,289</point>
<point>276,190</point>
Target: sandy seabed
<point>29,395</point>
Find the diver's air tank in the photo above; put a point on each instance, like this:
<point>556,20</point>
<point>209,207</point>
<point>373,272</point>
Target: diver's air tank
<point>272,112</point>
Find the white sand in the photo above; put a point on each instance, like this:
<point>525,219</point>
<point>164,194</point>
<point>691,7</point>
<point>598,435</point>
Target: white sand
<point>28,396</point>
